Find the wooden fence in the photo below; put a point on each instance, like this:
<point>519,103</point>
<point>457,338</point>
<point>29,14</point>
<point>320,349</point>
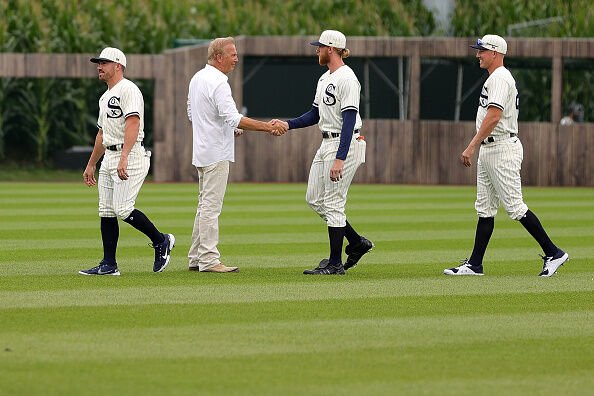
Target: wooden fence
<point>412,151</point>
<point>420,152</point>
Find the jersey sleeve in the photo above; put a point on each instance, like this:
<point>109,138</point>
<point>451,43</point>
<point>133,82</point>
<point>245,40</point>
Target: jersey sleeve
<point>350,95</point>
<point>499,92</point>
<point>131,101</point>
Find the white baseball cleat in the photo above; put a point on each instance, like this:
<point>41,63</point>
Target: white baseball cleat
<point>465,269</point>
<point>551,264</point>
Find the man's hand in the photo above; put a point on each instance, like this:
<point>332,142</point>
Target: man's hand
<point>467,155</point>
<point>89,175</point>
<point>122,166</point>
<point>280,127</point>
<point>336,170</point>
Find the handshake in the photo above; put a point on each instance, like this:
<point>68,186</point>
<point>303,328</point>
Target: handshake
<point>274,127</point>
<point>277,127</point>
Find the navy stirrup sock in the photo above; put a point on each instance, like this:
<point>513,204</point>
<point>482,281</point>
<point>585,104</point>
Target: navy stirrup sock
<point>138,220</point>
<point>484,230</point>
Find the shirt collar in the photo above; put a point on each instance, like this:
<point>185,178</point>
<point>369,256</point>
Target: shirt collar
<point>213,69</point>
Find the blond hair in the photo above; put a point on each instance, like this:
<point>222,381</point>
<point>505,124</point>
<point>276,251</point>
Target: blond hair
<point>344,52</point>
<point>217,46</point>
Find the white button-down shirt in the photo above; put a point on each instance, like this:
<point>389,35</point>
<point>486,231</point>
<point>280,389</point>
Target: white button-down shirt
<point>214,117</point>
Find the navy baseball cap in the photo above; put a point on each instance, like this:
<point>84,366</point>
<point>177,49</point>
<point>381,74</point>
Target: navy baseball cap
<point>491,42</point>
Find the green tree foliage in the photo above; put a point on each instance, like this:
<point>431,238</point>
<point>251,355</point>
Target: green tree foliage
<point>473,18</point>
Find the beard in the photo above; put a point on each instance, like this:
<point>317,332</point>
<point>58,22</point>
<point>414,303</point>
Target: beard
<point>324,59</point>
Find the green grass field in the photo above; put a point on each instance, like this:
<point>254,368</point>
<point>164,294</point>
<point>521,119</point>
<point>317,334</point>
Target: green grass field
<point>393,325</point>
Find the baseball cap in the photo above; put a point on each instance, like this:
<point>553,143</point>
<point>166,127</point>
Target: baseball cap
<point>110,54</point>
<point>491,42</point>
<point>331,38</point>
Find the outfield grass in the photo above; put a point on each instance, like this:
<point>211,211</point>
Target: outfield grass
<point>393,325</point>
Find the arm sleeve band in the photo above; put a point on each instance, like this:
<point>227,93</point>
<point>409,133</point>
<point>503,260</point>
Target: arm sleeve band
<point>346,134</point>
<point>310,118</point>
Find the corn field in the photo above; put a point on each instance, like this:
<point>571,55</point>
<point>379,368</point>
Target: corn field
<point>40,116</point>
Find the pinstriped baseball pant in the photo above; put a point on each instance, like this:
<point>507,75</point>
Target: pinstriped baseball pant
<point>212,184</point>
<point>498,179</point>
<point>117,197</point>
<point>328,198</point>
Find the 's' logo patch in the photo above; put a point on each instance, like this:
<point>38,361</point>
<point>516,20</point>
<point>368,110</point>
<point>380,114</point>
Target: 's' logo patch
<point>330,99</point>
<point>115,111</point>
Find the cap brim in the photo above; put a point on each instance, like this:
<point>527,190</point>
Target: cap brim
<point>97,60</point>
<point>481,47</point>
<point>318,44</point>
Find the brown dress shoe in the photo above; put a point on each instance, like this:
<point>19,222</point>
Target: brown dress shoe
<point>220,268</point>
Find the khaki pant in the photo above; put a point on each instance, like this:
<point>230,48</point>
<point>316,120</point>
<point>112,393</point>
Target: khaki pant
<point>212,181</point>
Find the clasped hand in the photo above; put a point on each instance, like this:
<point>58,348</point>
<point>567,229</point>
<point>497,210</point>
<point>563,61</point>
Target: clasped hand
<point>278,127</point>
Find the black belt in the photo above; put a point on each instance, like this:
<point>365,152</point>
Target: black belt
<point>117,147</point>
<point>491,139</point>
<point>326,135</point>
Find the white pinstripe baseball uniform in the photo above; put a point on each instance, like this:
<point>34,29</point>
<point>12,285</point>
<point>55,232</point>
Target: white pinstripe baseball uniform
<point>335,93</point>
<point>499,163</point>
<point>501,154</point>
<point>116,196</point>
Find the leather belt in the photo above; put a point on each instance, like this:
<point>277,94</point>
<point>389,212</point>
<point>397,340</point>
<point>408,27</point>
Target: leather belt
<point>327,135</point>
<point>492,139</point>
<point>118,147</point>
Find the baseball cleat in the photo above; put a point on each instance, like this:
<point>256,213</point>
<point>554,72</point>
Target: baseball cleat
<point>465,269</point>
<point>551,264</point>
<point>356,252</point>
<point>102,269</point>
<point>324,268</point>
<point>163,252</point>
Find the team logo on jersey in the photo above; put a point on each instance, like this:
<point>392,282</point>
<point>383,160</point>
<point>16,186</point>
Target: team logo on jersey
<point>115,111</point>
<point>483,98</point>
<point>330,99</point>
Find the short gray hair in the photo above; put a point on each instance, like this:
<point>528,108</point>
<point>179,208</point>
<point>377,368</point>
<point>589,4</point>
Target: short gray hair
<point>217,46</point>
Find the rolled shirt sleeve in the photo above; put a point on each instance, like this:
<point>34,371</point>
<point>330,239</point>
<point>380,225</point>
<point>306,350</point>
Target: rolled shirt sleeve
<point>226,105</point>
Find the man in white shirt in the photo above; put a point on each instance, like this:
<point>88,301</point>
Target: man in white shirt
<point>214,117</point>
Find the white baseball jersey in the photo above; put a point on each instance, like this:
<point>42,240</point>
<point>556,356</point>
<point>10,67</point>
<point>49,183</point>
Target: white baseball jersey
<point>500,162</point>
<point>337,92</point>
<point>115,105</point>
<point>117,197</point>
<point>500,91</point>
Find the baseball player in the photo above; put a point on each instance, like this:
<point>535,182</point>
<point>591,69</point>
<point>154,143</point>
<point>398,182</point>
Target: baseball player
<point>499,162</point>
<point>336,111</point>
<point>124,166</point>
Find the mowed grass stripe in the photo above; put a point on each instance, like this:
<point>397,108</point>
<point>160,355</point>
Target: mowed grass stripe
<point>62,274</point>
<point>285,291</point>
<point>414,370</point>
<point>261,338</point>
<point>186,314</point>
